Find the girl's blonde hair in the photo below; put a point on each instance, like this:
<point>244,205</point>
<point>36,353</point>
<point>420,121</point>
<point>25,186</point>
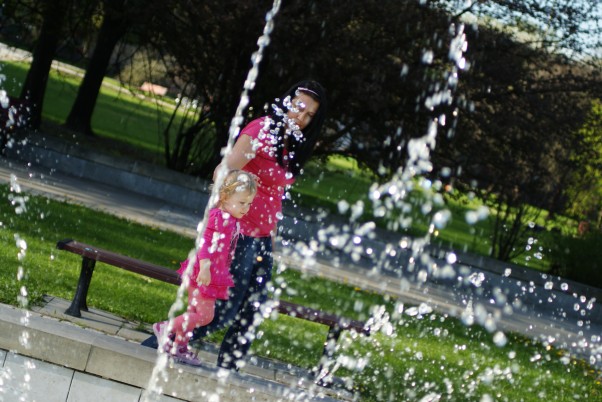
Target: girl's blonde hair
<point>236,181</point>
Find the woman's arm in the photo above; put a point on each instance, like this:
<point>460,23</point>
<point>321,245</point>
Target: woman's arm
<point>241,153</point>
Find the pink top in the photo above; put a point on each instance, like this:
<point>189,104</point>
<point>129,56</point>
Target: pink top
<point>266,208</point>
<point>219,241</point>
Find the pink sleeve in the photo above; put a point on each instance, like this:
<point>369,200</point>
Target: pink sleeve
<point>212,230</point>
<point>217,237</point>
<point>216,243</point>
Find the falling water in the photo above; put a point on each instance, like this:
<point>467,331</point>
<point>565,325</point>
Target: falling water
<point>159,373</point>
<point>393,196</point>
<point>475,299</point>
<point>19,202</point>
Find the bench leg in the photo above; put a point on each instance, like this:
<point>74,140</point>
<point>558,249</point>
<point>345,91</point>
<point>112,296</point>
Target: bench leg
<point>81,293</point>
<point>329,347</point>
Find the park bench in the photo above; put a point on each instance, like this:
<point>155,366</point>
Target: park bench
<point>90,255</point>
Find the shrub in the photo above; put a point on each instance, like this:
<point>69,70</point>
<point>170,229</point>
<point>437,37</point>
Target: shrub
<point>578,258</point>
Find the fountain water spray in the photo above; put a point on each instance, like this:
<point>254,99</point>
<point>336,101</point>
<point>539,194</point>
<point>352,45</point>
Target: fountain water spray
<point>159,373</point>
<point>18,201</point>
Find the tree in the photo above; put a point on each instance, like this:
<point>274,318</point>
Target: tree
<point>585,188</point>
<point>52,30</point>
<point>208,46</point>
<point>528,101</point>
<point>118,16</point>
<point>34,87</point>
<point>19,21</point>
<point>372,58</point>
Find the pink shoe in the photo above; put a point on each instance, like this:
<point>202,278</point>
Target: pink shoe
<point>183,355</point>
<point>158,328</point>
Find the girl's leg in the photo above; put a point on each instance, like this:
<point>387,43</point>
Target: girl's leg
<point>200,313</point>
<point>242,266</point>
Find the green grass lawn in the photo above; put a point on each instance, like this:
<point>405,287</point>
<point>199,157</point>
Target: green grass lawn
<point>327,183</point>
<point>407,357</point>
<point>119,115</point>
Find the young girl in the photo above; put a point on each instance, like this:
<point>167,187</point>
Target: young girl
<point>210,278</point>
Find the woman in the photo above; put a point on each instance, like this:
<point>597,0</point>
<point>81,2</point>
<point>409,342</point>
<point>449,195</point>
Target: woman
<point>274,148</point>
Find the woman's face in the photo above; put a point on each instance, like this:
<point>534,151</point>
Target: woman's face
<point>303,110</point>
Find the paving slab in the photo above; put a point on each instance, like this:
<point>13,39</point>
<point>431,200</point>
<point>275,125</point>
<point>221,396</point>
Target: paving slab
<point>39,380</point>
<point>90,388</point>
<point>91,358</point>
<point>39,337</point>
<point>94,318</point>
<point>112,358</point>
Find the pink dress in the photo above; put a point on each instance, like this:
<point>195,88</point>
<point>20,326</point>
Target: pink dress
<point>219,242</point>
<point>266,208</point>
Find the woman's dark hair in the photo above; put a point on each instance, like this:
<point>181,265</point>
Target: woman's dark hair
<point>300,149</point>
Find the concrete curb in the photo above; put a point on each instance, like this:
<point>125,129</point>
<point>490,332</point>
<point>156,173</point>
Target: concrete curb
<point>163,184</point>
<point>93,353</point>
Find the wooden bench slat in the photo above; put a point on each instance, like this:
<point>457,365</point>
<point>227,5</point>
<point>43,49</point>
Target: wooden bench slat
<point>121,261</point>
<point>322,317</point>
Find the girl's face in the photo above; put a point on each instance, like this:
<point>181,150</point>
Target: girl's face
<point>238,204</point>
<point>303,110</point>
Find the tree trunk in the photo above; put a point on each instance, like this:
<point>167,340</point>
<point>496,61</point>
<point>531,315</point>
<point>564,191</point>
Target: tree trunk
<point>34,86</point>
<point>113,28</point>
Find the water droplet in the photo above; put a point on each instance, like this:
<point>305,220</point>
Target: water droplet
<point>343,206</point>
<point>447,272</point>
<point>441,218</point>
<point>471,217</point>
<point>500,339</point>
<point>428,57</point>
<point>477,278</point>
<point>451,258</point>
<point>4,100</point>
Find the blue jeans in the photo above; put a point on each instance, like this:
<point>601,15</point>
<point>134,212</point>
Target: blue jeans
<point>251,270</point>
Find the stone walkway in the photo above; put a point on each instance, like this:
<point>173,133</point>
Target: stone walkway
<point>98,357</point>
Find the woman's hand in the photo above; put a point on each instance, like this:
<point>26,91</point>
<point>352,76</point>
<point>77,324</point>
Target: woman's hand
<point>204,276</point>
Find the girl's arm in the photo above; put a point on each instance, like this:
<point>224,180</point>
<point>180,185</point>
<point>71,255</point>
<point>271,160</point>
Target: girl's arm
<point>204,276</point>
<point>241,153</point>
